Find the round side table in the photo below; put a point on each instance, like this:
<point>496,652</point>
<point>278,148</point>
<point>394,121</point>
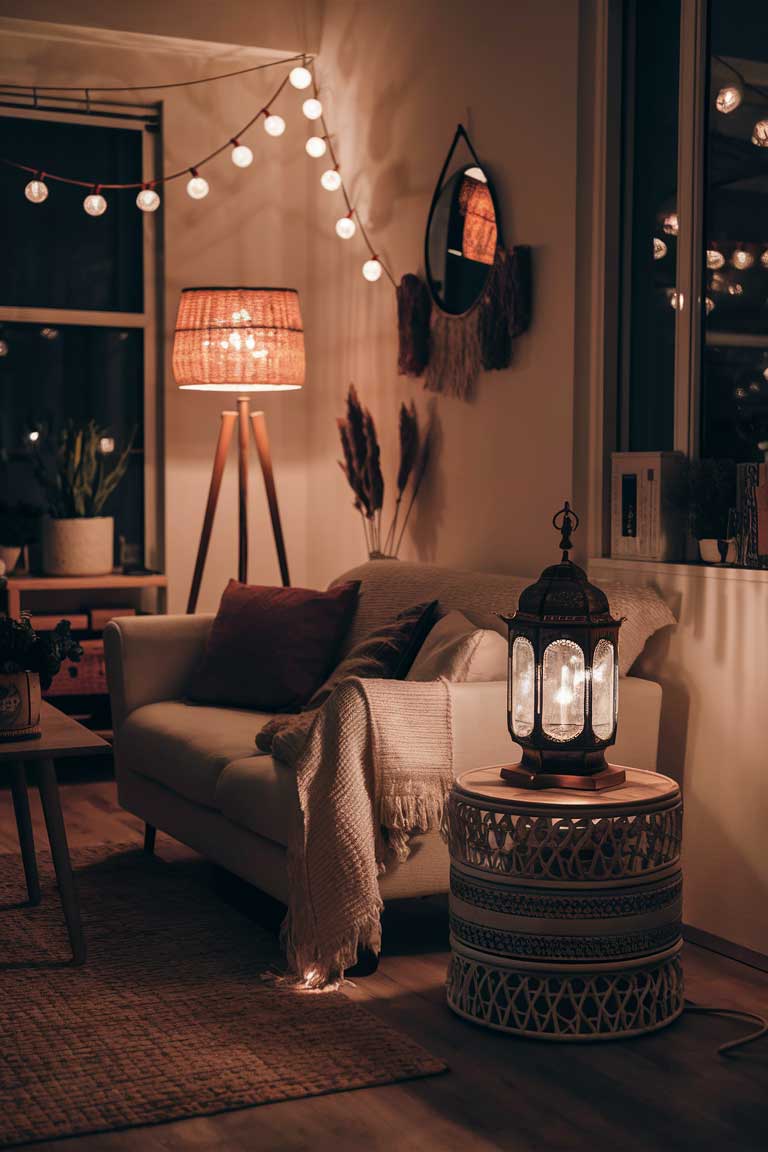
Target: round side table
<point>565,907</point>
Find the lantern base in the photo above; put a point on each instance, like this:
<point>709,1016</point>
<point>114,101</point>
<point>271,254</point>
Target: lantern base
<point>607,777</point>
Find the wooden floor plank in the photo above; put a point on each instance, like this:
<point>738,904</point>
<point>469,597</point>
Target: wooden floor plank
<point>669,1092</point>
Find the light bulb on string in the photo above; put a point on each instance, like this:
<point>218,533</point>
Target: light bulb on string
<point>760,134</point>
<point>3,347</point>
<point>715,259</point>
<point>36,190</point>
<point>197,187</point>
<point>346,227</point>
<point>372,269</point>
<point>241,155</point>
<point>659,248</point>
<point>729,98</point>
<point>312,108</point>
<point>300,77</point>
<point>331,180</point>
<point>94,203</point>
<point>742,258</point>
<point>274,125</point>
<point>148,200</point>
<point>671,224</point>
<point>764,258</point>
<point>316,147</point>
<point>709,305</point>
<point>676,299</point>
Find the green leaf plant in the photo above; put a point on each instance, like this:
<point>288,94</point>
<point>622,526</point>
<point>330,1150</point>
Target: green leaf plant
<point>79,481</point>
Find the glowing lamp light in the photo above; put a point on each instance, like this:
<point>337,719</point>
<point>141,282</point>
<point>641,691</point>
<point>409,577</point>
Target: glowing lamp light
<point>274,125</point>
<point>300,77</point>
<point>95,204</point>
<point>346,228</point>
<point>331,181</point>
<point>242,155</point>
<point>316,147</point>
<point>372,269</point>
<point>36,191</point>
<point>563,678</point>
<point>671,224</point>
<point>659,248</point>
<point>742,258</point>
<point>197,187</point>
<point>760,134</point>
<point>715,259</point>
<point>312,109</point>
<point>729,98</point>
<point>148,200</point>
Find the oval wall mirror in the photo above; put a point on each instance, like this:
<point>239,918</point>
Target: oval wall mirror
<point>463,232</point>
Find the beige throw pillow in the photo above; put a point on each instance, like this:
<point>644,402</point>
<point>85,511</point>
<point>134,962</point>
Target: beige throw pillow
<point>457,651</point>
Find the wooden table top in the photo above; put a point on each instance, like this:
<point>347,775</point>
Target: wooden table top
<point>641,788</point>
<point>61,736</point>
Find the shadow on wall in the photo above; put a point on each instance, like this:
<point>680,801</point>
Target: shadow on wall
<point>655,664</point>
<point>428,512</point>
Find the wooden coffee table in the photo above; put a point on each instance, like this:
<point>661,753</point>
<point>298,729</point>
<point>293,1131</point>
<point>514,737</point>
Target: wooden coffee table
<point>61,736</point>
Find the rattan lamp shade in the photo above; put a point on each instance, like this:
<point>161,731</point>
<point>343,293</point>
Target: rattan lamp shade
<point>239,340</point>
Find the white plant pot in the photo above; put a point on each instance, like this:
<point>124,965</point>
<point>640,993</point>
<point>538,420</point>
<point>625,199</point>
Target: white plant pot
<point>83,546</point>
<point>9,558</point>
<point>710,553</point>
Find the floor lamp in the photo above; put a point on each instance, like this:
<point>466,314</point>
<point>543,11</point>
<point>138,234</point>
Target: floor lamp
<point>239,340</point>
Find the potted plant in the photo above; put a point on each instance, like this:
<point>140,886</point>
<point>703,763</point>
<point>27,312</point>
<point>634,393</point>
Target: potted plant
<point>711,499</point>
<point>77,540</point>
<point>18,527</point>
<point>28,663</point>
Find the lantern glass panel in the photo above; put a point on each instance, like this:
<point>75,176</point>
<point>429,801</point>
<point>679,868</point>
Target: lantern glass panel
<point>603,690</point>
<point>562,715</point>
<point>522,683</point>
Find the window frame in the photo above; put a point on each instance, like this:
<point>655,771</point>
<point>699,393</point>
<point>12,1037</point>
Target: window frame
<point>137,118</point>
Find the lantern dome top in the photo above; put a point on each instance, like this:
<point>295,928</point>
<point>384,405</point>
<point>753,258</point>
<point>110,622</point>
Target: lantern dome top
<point>562,592</point>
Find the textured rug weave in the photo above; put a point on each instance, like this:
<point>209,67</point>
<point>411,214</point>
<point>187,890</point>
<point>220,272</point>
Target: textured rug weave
<point>174,1014</point>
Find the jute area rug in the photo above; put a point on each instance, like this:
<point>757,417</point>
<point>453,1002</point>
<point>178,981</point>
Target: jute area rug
<point>174,1014</point>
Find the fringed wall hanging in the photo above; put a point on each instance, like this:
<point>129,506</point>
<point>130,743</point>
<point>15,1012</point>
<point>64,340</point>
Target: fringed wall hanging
<point>480,292</point>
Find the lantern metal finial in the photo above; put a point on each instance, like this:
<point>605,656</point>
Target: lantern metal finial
<point>569,522</point>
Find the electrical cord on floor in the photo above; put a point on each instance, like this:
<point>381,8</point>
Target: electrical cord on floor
<point>736,1014</point>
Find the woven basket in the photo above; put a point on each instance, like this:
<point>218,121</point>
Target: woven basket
<point>239,339</point>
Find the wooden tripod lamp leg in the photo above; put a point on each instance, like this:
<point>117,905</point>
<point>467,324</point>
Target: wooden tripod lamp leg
<point>222,447</point>
<point>261,437</point>
<point>242,485</point>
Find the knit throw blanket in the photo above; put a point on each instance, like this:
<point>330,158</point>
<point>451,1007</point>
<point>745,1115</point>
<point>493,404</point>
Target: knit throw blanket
<point>376,767</point>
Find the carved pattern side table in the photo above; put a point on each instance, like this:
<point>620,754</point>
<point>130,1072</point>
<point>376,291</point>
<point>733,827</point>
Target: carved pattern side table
<point>565,907</point>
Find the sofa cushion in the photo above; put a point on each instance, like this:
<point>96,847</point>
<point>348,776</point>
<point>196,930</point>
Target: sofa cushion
<point>260,794</point>
<point>187,746</point>
<point>269,649</point>
<point>457,651</point>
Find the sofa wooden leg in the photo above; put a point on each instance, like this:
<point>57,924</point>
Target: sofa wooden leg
<point>149,838</point>
<point>366,964</point>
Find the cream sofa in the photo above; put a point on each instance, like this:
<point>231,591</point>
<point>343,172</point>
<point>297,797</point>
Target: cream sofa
<point>194,772</point>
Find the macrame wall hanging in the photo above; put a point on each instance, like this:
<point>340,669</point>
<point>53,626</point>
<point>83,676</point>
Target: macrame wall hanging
<point>476,296</point>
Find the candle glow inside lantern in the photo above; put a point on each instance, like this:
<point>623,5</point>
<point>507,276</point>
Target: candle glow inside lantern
<point>562,702</point>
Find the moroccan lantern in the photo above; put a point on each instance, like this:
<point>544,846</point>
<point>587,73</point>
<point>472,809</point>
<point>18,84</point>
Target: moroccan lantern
<point>563,678</point>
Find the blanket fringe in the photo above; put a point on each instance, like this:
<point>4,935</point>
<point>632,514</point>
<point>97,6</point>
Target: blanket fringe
<point>401,816</point>
<point>323,968</point>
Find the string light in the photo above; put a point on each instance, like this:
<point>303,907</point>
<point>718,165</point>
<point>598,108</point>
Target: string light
<point>764,258</point>
<point>715,259</point>
<point>300,77</point>
<point>659,248</point>
<point>742,258</point>
<point>676,299</point>
<point>372,269</point>
<point>94,203</point>
<point>241,154</point>
<point>346,227</point>
<point>273,125</point>
<point>331,181</point>
<point>148,200</point>
<point>37,190</point>
<point>316,147</point>
<point>709,305</point>
<point>760,134</point>
<point>312,108</point>
<point>197,187</point>
<point>729,98</point>
<point>735,289</point>
<point>671,224</point>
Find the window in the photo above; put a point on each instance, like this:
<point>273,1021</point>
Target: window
<point>694,251</point>
<point>78,326</point>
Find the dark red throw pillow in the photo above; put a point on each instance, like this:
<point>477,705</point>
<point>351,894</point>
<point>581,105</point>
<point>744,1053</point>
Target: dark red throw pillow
<point>269,649</point>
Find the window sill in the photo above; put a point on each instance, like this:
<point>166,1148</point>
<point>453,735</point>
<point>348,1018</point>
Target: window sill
<point>614,567</point>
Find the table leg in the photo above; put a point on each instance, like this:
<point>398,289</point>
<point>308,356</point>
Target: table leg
<point>24,827</point>
<point>57,837</point>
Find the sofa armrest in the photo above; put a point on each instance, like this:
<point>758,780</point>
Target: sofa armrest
<point>151,658</point>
